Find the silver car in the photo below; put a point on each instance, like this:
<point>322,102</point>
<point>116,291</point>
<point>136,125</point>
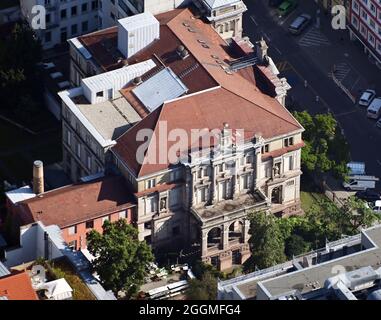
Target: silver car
<point>299,24</point>
<point>367,97</point>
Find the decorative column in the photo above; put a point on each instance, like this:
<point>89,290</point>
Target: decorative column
<point>225,237</point>
<point>204,242</point>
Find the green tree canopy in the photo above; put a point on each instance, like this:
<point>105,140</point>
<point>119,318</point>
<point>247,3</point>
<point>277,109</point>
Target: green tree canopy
<point>121,259</point>
<point>204,289</point>
<point>20,52</point>
<point>266,241</point>
<point>326,149</point>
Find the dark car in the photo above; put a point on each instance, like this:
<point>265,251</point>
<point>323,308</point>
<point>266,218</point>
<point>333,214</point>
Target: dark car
<point>299,24</point>
<point>368,195</point>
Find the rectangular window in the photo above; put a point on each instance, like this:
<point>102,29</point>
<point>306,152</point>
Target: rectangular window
<point>85,26</point>
<point>104,219</point>
<point>90,224</point>
<point>123,214</point>
<point>73,11</point>
<point>84,7</point>
<point>288,142</point>
<point>74,29</point>
<point>63,14</point>
<point>72,230</point>
<point>78,150</point>
<point>88,161</point>
<point>151,183</point>
<point>265,149</point>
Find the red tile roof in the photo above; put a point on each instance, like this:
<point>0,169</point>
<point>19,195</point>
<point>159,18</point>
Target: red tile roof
<point>220,95</point>
<point>77,203</point>
<point>17,286</point>
<point>235,100</point>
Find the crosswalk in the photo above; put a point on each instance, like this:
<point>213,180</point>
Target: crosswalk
<point>341,71</point>
<point>313,38</point>
<point>283,66</point>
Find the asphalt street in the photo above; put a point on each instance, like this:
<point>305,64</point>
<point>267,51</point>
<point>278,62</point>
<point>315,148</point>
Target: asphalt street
<point>307,61</point>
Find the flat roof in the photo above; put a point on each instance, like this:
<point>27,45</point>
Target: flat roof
<point>301,280</point>
<point>110,118</point>
<point>20,194</point>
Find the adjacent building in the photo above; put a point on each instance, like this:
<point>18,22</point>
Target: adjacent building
<point>64,19</point>
<point>346,269</point>
<point>76,209</point>
<point>365,26</point>
<point>169,72</point>
<point>17,286</point>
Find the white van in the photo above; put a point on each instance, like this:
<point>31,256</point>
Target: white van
<point>360,183</point>
<point>377,207</point>
<point>374,110</point>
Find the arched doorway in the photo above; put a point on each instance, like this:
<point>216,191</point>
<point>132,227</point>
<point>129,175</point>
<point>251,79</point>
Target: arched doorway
<point>214,237</point>
<point>236,231</point>
<point>276,195</point>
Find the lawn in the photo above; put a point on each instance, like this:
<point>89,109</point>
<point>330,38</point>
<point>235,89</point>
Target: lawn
<point>308,199</point>
<point>61,268</point>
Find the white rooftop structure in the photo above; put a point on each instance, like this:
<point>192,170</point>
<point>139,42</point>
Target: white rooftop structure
<point>163,86</point>
<point>20,194</point>
<point>104,86</point>
<point>136,32</point>
<point>213,4</point>
<point>57,290</point>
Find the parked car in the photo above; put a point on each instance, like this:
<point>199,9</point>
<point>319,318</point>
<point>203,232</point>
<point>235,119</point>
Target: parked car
<point>367,97</point>
<point>374,109</point>
<point>299,24</point>
<point>377,207</point>
<point>286,7</point>
<point>360,182</point>
<point>368,195</point>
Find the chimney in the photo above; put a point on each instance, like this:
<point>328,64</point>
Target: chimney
<point>137,32</point>
<point>261,49</point>
<point>38,177</point>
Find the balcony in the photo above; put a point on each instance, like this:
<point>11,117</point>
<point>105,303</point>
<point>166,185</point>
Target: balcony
<point>232,206</point>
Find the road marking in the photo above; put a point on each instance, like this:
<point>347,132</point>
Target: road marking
<point>267,37</point>
<point>344,113</point>
<point>342,70</point>
<point>313,37</point>
<point>283,66</point>
<point>280,52</point>
<point>255,22</point>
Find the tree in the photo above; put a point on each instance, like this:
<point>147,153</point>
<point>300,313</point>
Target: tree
<point>121,259</point>
<point>358,214</point>
<point>267,243</point>
<point>326,149</point>
<point>296,245</point>
<point>204,289</point>
<point>20,52</point>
